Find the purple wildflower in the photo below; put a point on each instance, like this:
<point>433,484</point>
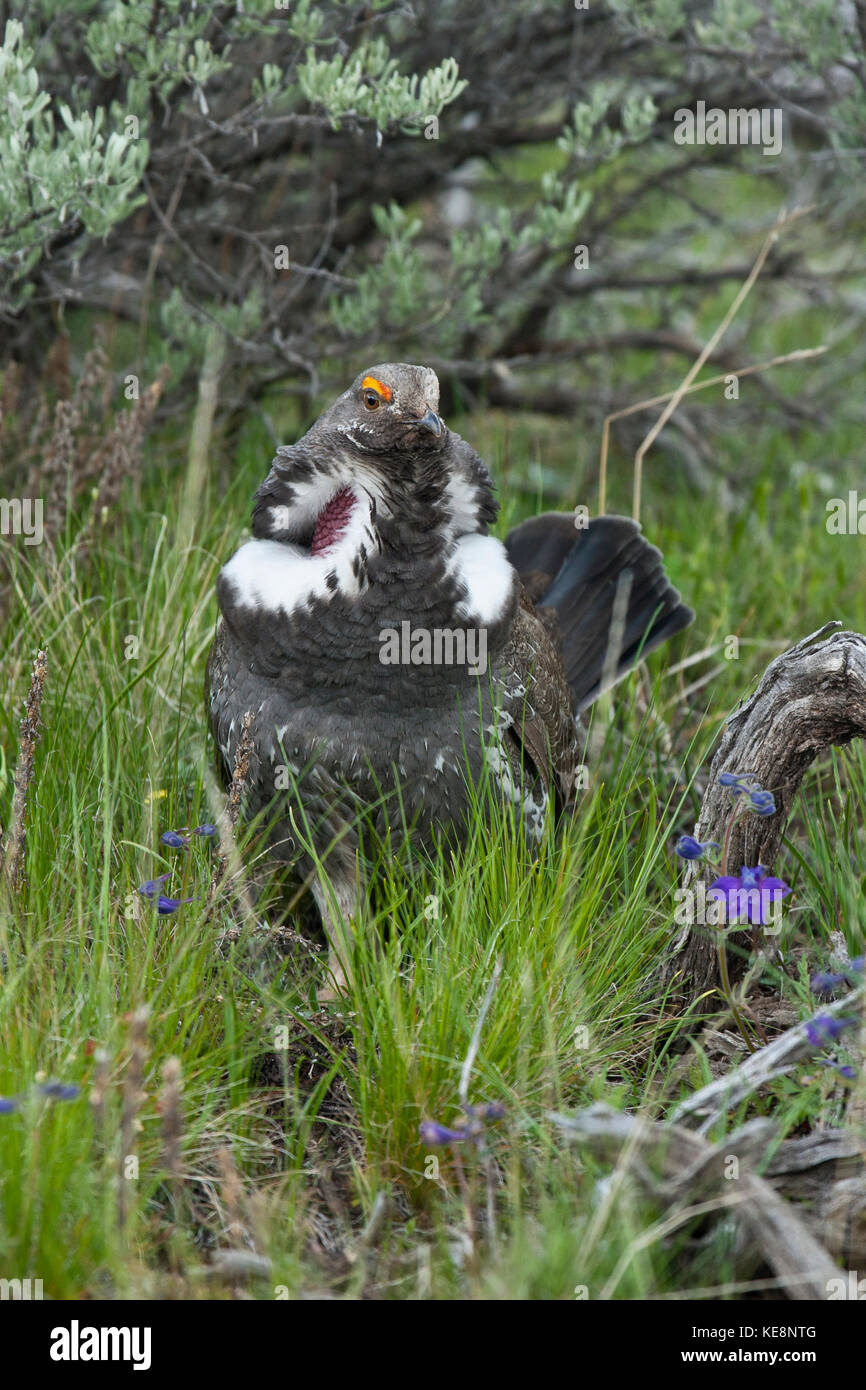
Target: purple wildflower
<point>762,802</point>
<point>687,847</point>
<point>825,983</point>
<point>432,1133</point>
<point>59,1090</point>
<point>749,896</point>
<point>174,839</point>
<point>150,887</point>
<point>7,1105</point>
<point>823,1029</point>
<point>491,1111</point>
<point>849,1073</point>
<point>165,906</point>
<point>472,1127</point>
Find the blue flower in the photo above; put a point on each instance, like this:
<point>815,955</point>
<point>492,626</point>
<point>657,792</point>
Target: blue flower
<point>822,1030</point>
<point>151,886</point>
<point>432,1133</point>
<point>687,847</point>
<point>825,983</point>
<point>761,802</point>
<point>54,1090</point>
<point>179,839</point>
<point>59,1090</point>
<point>165,906</point>
<point>738,783</point>
<point>844,1070</point>
<point>748,896</point>
<point>174,839</point>
<point>472,1127</point>
<point>491,1111</point>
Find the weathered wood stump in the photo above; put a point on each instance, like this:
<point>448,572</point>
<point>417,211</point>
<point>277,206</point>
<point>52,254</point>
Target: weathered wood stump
<point>812,697</point>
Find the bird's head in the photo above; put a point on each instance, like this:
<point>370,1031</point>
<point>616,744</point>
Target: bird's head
<point>390,409</point>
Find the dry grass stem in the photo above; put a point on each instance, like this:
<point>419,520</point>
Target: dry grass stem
<point>16,843</point>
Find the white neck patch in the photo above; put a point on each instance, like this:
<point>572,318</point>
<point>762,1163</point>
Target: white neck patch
<point>463,497</point>
<point>481,566</point>
<point>310,495</point>
<point>279,577</point>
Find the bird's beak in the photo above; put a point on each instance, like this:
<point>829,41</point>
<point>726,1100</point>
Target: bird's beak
<point>430,421</point>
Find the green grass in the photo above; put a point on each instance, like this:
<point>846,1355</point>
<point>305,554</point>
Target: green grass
<point>320,1109</point>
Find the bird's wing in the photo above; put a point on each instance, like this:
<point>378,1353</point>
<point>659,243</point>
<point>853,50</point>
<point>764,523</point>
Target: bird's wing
<point>539,702</point>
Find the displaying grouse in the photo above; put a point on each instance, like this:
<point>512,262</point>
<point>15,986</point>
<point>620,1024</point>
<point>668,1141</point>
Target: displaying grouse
<point>390,650</point>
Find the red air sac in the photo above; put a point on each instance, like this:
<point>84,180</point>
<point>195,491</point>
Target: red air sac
<point>332,522</point>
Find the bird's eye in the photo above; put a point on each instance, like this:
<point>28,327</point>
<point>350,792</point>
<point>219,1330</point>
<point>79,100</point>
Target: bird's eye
<point>371,400</point>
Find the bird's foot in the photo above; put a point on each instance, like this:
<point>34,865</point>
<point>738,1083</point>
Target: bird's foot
<point>337,984</point>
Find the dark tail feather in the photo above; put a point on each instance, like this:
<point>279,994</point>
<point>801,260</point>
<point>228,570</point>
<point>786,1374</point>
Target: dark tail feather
<point>577,573</point>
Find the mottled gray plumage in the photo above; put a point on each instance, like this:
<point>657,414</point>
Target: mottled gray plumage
<point>376,522</point>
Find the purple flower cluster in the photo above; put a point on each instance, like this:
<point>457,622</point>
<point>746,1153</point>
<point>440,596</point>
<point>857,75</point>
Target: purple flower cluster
<point>745,784</point>
<point>823,1030</point>
<point>827,983</point>
<point>164,905</point>
<point>53,1090</point>
<point>472,1127</point>
<point>179,839</point>
<point>748,896</point>
<point>755,799</point>
<point>173,839</point>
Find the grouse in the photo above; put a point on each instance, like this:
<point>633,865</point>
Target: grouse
<point>392,652</point>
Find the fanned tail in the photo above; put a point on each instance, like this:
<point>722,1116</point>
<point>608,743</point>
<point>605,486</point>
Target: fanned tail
<point>608,588</point>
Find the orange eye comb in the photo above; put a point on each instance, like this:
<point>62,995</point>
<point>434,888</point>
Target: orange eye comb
<point>371,383</point>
